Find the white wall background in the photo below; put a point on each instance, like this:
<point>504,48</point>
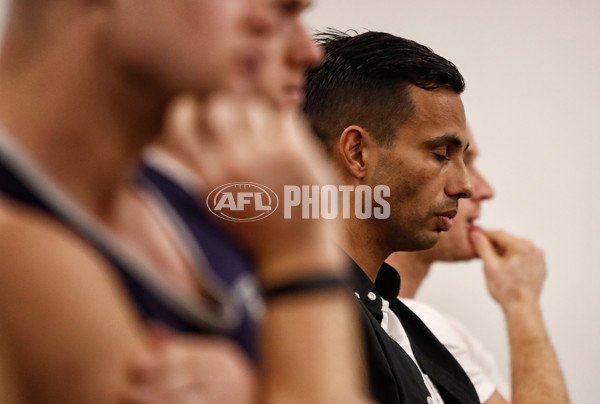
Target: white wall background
<point>533,97</point>
<point>532,69</point>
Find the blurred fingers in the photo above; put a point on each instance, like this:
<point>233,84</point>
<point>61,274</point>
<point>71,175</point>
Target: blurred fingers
<point>483,246</point>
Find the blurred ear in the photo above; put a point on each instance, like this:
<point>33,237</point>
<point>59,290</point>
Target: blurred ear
<point>357,150</point>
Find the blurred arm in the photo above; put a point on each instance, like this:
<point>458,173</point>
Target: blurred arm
<point>309,341</point>
<point>62,317</point>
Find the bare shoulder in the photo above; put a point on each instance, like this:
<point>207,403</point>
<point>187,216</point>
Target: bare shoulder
<point>22,228</point>
<point>36,247</point>
<point>66,319</point>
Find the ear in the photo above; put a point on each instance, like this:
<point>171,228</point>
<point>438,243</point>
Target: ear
<point>356,149</point>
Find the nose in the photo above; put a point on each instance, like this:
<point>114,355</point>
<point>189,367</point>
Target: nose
<point>482,189</point>
<point>303,51</point>
<point>459,182</point>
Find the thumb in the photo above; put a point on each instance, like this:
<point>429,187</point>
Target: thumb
<point>483,247</point>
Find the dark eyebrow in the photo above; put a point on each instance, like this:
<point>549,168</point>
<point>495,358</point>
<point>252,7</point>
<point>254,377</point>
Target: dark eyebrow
<point>446,140</point>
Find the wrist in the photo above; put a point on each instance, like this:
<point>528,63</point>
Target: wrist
<point>281,267</point>
<point>520,306</point>
<point>307,285</point>
<point>525,323</point>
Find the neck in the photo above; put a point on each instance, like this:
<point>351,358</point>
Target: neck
<point>78,119</point>
<point>363,247</point>
<point>413,269</point>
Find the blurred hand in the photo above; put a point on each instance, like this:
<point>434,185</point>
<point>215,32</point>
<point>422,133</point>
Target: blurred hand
<point>514,268</point>
<point>229,139</point>
<point>191,370</point>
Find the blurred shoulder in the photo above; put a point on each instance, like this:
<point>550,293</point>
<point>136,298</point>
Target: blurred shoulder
<point>33,240</point>
<point>38,251</point>
<point>61,307</point>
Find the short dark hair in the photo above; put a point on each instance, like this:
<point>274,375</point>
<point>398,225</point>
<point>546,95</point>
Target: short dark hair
<point>364,80</point>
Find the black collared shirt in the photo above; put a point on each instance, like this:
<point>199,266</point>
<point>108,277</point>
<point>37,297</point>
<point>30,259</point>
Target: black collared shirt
<point>393,376</point>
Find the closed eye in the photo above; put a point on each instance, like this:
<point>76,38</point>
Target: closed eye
<point>441,153</point>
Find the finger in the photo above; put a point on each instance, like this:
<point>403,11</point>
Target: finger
<point>502,238</point>
<point>511,245</point>
<point>160,351</point>
<point>214,146</point>
<point>226,118</point>
<point>263,123</point>
<point>142,367</point>
<point>291,126</point>
<point>483,246</point>
<point>143,364</point>
<point>183,116</point>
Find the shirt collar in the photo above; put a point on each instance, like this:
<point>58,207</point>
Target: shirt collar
<point>387,283</point>
<point>360,281</point>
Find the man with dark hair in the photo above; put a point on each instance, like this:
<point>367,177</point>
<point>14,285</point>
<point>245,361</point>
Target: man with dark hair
<point>515,271</point>
<point>387,65</point>
<point>388,111</point>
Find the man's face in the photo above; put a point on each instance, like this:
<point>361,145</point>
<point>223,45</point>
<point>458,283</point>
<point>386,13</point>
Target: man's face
<point>425,171</point>
<point>198,45</point>
<point>455,245</point>
<point>290,51</point>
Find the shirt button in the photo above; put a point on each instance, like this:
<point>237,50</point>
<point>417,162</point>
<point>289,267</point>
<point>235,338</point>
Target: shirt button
<point>372,296</point>
<point>429,400</point>
<point>356,294</point>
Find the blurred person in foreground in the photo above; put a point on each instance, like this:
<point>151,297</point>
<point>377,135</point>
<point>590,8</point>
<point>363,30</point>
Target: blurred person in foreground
<point>514,270</point>
<point>167,212</point>
<point>85,86</point>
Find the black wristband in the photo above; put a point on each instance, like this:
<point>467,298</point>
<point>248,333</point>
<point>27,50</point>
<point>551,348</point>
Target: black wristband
<point>308,284</point>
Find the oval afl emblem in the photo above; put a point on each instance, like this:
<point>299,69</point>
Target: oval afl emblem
<point>242,201</point>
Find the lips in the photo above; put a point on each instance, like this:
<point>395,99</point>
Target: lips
<point>451,213</point>
<point>444,219</point>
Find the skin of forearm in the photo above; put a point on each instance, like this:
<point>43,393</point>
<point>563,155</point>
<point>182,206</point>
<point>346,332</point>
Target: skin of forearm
<point>536,375</point>
<point>9,385</point>
<point>309,350</point>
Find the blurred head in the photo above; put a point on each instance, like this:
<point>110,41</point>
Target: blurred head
<point>455,245</point>
<point>389,112</point>
<point>195,45</point>
<point>187,45</point>
<point>288,55</point>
